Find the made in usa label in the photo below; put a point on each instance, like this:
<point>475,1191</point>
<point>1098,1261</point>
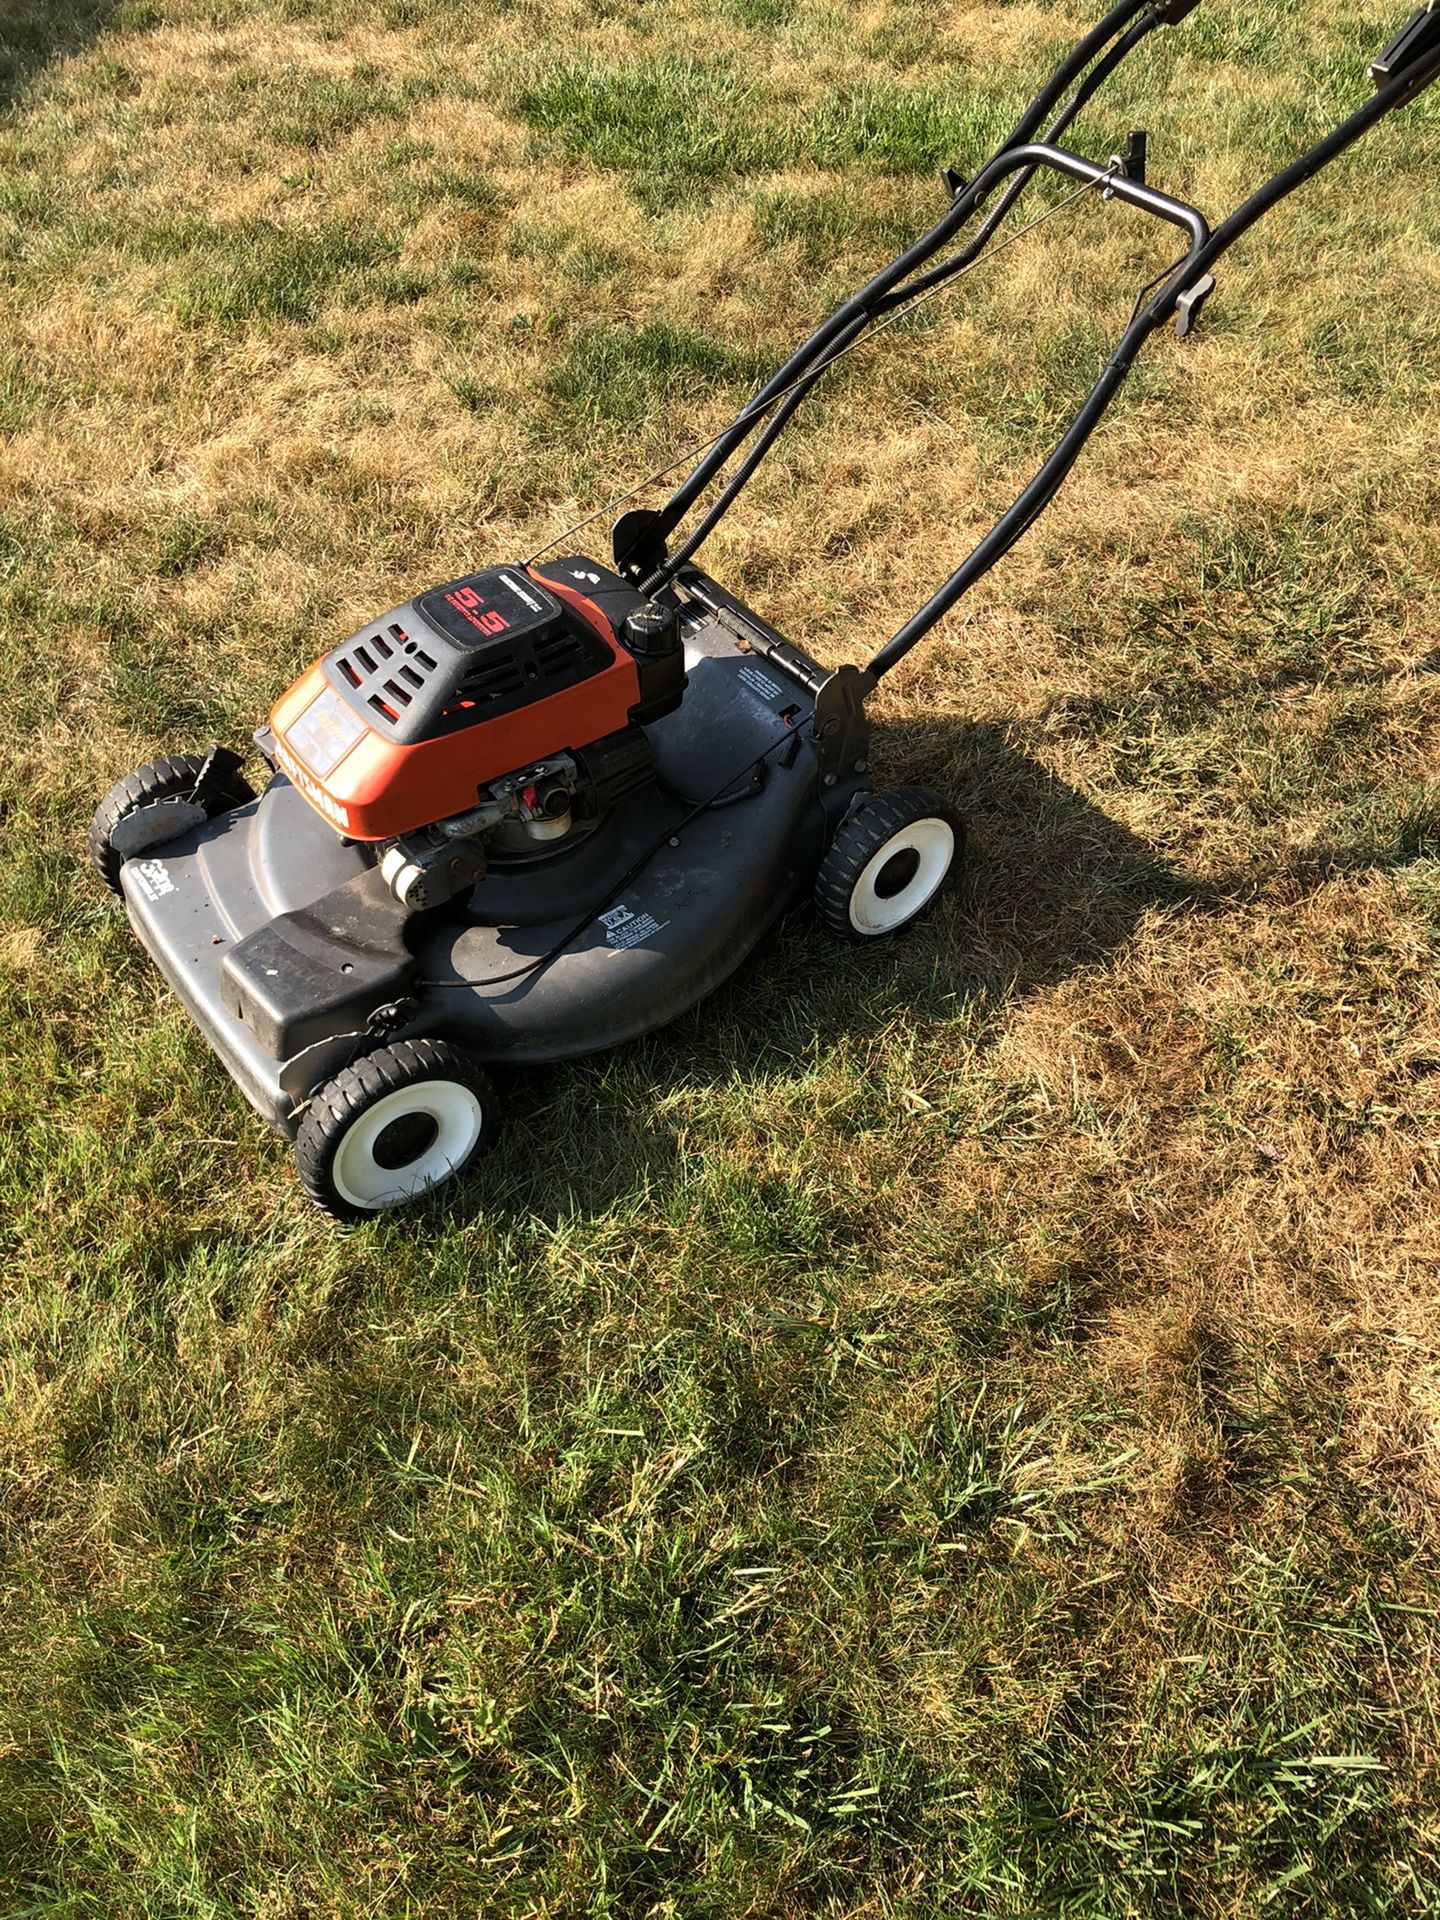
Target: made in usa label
<point>151,879</point>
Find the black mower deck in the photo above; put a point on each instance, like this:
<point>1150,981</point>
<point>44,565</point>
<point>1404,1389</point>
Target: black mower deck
<point>290,952</point>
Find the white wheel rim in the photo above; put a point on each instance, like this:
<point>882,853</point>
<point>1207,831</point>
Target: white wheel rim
<point>933,844</point>
<point>365,1181</point>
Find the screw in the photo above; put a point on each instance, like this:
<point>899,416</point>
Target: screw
<point>674,841</point>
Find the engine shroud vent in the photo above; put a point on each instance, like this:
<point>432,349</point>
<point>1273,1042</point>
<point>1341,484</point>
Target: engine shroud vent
<point>471,650</point>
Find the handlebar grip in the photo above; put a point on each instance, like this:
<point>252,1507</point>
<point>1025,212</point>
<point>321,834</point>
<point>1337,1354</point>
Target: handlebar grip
<point>1419,37</point>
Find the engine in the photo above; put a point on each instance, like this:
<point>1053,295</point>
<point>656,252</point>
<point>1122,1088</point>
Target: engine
<point>489,718</point>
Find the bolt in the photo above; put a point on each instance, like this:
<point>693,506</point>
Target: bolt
<point>674,841</point>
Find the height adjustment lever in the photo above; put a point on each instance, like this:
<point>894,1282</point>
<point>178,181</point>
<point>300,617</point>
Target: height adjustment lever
<point>1419,36</point>
<point>1130,165</point>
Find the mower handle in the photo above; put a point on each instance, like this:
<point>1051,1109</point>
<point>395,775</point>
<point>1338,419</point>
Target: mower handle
<point>639,537</point>
<point>1117,185</point>
<point>1408,66</point>
<point>636,534</point>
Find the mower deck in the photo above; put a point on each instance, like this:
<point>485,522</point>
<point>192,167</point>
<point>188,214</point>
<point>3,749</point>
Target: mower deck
<point>285,945</point>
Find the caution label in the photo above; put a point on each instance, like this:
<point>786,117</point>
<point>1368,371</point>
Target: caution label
<point>761,683</point>
<point>626,929</point>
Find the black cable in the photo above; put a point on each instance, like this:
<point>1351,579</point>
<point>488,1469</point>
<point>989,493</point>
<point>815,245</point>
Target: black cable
<point>599,905</point>
<point>757,785</point>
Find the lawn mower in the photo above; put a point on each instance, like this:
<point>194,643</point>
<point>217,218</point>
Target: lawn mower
<point>548,806</point>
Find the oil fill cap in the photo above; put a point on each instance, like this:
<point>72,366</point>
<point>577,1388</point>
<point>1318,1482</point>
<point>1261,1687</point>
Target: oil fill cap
<point>650,630</point>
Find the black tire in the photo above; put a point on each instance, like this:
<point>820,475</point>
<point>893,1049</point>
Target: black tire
<point>171,777</point>
<point>862,895</point>
<point>453,1119</point>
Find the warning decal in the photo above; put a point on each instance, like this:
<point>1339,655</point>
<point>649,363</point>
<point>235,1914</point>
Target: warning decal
<point>626,929</point>
<point>761,683</point>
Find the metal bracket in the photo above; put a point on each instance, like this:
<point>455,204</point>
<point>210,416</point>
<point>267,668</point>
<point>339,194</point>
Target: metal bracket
<point>219,765</point>
<point>1188,306</point>
<point>390,1017</point>
<point>1416,40</point>
<point>637,542</point>
<point>1131,164</point>
<point>842,731</point>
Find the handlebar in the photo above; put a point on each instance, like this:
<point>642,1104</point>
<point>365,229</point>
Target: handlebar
<point>1117,185</point>
<point>1407,65</point>
<point>1416,66</point>
<point>639,538</point>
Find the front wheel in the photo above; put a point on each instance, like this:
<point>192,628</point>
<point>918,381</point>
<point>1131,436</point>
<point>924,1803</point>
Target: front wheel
<point>888,864</point>
<point>395,1125</point>
<point>166,795</point>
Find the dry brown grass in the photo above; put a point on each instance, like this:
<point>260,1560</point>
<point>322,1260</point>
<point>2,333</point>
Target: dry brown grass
<point>1145,1134</point>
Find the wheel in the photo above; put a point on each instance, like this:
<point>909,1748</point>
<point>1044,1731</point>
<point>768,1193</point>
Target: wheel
<point>888,864</point>
<point>164,782</point>
<point>397,1124</point>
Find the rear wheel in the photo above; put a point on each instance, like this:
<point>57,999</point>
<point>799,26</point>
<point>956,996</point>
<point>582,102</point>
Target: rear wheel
<point>394,1126</point>
<point>169,782</point>
<point>888,864</point>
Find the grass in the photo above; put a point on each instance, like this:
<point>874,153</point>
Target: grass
<point>713,125</point>
<point>625,375</point>
<point>943,1432</point>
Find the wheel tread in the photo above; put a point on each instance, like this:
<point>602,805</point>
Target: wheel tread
<point>858,841</point>
<point>170,776</point>
<point>341,1101</point>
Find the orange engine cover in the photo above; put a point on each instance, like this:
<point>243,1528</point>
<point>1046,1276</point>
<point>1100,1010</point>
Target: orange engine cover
<point>403,724</point>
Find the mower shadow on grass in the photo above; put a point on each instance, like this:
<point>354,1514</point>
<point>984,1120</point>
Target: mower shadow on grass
<point>33,33</point>
<point>1052,885</point>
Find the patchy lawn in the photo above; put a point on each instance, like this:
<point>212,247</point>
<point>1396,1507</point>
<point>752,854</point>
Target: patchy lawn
<point>943,1431</point>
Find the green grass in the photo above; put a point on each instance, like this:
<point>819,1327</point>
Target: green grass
<point>674,126</point>
<point>829,225</point>
<point>945,1432</point>
<point>624,376</point>
<point>262,271</point>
